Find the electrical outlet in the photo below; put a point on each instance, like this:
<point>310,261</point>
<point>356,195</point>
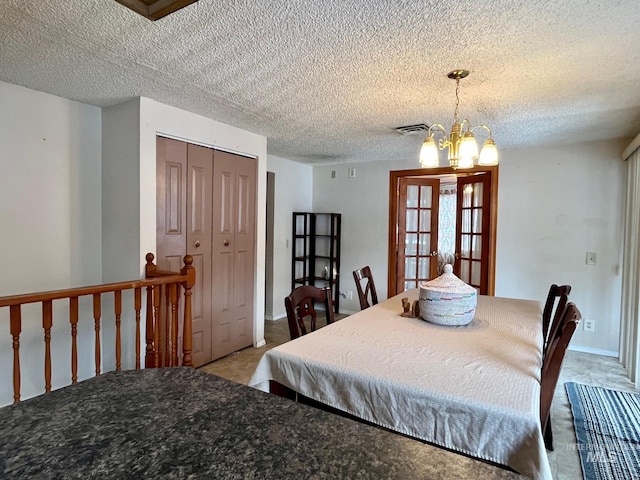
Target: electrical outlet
<point>352,172</point>
<point>349,294</point>
<point>588,325</point>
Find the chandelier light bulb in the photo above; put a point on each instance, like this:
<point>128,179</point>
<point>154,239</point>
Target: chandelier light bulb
<point>468,150</point>
<point>429,153</point>
<point>489,153</point>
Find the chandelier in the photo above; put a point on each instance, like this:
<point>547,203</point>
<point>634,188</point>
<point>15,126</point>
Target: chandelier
<point>463,149</point>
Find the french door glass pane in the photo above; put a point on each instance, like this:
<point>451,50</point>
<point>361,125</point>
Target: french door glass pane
<point>464,270</point>
<point>410,267</point>
<point>425,220</point>
<point>423,267</point>
<point>412,220</point>
<point>411,244</point>
<point>476,248</point>
<point>466,221</point>
<point>412,196</point>
<point>477,220</point>
<point>425,196</point>
<point>466,196</point>
<point>475,277</point>
<point>465,246</point>
<point>477,194</point>
<point>425,244</point>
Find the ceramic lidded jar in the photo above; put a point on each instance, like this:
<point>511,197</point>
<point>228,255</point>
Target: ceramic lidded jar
<point>447,300</point>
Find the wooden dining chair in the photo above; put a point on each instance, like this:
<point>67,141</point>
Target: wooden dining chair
<point>557,299</point>
<point>300,305</point>
<point>551,365</point>
<point>364,276</point>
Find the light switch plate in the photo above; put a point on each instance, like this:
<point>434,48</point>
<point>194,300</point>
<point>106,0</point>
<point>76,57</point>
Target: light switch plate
<point>592,258</point>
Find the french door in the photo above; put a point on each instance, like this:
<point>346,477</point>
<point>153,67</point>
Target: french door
<point>417,231</point>
<point>472,227</point>
<point>413,227</point>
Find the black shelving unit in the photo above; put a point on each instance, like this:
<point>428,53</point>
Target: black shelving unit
<point>315,256</point>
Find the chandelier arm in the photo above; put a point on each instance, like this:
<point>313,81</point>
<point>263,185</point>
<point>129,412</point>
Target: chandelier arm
<point>485,127</point>
<point>468,124</point>
<point>437,128</point>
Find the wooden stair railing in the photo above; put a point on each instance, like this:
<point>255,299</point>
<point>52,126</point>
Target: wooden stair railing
<point>158,325</point>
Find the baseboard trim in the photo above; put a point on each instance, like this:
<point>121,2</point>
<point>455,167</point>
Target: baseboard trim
<point>595,351</point>
<point>276,317</point>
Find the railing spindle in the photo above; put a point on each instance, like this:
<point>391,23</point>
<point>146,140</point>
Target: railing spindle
<point>16,327</point>
<point>117,300</point>
<point>138,307</point>
<point>47,322</point>
<point>73,319</point>
<point>157,294</point>
<point>148,356</point>
<point>97,314</point>
<point>174,323</point>
<point>166,323</point>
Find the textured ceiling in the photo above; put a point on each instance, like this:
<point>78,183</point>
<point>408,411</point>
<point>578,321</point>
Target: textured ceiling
<point>328,81</point>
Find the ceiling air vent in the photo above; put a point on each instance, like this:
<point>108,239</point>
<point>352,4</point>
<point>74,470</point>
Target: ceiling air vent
<point>411,129</point>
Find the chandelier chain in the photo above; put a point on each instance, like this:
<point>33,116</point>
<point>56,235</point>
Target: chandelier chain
<point>455,112</point>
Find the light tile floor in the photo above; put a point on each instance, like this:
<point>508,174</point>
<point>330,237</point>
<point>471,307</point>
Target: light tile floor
<point>578,367</point>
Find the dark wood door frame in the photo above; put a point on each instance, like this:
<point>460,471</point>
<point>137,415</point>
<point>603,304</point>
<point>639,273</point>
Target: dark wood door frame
<point>394,179</point>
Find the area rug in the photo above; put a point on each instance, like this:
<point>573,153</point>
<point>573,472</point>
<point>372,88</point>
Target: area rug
<point>607,424</point>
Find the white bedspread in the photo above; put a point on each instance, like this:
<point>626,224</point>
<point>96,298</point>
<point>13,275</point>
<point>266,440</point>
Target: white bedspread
<point>474,389</point>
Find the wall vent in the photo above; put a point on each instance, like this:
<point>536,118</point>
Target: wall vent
<point>411,129</point>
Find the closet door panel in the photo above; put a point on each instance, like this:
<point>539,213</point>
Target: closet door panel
<point>245,244</point>
<point>171,198</point>
<point>233,251</point>
<point>198,245</point>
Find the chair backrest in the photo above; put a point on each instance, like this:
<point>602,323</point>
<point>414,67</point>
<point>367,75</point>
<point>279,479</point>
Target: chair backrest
<point>299,305</point>
<point>552,362</point>
<point>369,290</point>
<point>553,310</point>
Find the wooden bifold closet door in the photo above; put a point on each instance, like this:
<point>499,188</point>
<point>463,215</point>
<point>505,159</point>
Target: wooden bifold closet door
<point>206,208</point>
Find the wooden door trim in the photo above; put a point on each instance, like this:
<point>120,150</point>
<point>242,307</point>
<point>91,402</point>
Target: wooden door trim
<point>394,179</point>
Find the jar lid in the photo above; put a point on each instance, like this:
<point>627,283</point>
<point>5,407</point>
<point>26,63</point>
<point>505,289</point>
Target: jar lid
<point>448,282</point>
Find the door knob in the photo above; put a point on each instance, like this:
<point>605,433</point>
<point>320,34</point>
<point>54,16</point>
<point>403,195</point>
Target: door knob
<point>196,243</point>
<point>226,243</point>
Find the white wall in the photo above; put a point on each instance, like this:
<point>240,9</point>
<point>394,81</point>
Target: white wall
<point>293,193</point>
<point>50,216</point>
<point>363,202</point>
<point>555,204</point>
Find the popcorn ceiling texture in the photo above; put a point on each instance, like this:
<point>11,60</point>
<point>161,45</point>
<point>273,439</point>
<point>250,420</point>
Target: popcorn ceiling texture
<point>328,81</point>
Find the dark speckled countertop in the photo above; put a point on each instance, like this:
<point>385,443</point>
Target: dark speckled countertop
<point>182,423</point>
